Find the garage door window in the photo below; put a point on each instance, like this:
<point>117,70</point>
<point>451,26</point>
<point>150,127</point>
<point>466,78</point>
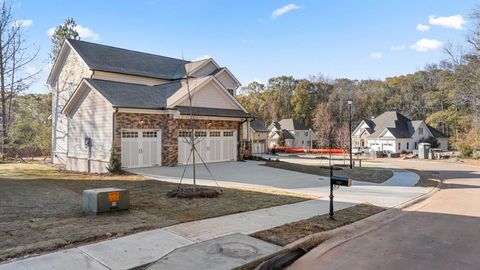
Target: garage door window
<point>184,133</point>
<point>200,134</point>
<point>215,133</point>
<point>129,134</point>
<point>149,134</point>
<point>228,134</point>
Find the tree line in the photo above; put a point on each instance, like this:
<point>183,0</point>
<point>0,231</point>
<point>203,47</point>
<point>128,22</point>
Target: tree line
<point>446,95</point>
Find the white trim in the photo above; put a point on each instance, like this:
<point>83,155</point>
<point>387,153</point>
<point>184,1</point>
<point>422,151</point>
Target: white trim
<point>71,101</point>
<point>200,117</point>
<point>146,111</point>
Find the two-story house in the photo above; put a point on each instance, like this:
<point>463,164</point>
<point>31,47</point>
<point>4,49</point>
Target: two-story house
<point>392,131</point>
<point>107,98</point>
<point>296,134</point>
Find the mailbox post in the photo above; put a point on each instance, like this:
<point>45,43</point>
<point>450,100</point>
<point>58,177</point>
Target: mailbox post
<point>336,181</point>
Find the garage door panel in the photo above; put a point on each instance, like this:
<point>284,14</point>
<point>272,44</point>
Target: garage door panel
<point>140,148</point>
<point>212,146</point>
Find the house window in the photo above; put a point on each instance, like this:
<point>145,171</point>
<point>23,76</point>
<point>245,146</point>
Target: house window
<point>306,134</point>
<point>416,145</point>
<point>303,142</point>
<point>399,145</point>
<point>420,130</point>
<point>129,134</point>
<point>408,145</point>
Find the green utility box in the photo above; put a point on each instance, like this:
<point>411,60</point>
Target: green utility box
<point>102,200</point>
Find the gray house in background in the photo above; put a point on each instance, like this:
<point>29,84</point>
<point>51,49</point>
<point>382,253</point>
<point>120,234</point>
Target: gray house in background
<point>297,135</point>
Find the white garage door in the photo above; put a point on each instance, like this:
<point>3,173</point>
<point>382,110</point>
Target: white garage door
<point>141,148</point>
<point>258,148</point>
<point>213,145</point>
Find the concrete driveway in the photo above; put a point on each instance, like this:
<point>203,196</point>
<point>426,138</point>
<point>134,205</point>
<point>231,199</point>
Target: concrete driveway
<point>251,174</point>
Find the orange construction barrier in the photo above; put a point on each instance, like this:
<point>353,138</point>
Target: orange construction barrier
<point>305,150</point>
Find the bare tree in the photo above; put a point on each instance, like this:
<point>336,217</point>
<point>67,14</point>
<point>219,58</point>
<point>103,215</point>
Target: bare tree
<point>14,59</point>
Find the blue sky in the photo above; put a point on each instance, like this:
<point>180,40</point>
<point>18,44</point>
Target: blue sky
<point>260,39</point>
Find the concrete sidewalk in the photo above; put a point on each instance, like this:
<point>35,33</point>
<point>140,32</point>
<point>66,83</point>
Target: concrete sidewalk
<point>146,247</point>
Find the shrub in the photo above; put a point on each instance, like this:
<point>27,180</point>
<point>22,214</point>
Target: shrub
<point>114,165</point>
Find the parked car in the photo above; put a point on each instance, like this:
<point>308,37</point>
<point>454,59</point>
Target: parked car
<point>360,150</point>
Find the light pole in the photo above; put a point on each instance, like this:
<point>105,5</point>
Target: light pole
<point>350,102</point>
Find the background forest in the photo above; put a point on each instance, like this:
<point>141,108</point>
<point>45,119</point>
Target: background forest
<point>446,95</point>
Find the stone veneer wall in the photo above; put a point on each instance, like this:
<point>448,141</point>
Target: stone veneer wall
<point>169,128</point>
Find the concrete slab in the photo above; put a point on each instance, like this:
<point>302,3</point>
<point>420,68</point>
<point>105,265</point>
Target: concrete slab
<point>253,221</point>
<point>134,250</point>
<point>221,253</point>
<point>402,178</point>
<point>72,259</point>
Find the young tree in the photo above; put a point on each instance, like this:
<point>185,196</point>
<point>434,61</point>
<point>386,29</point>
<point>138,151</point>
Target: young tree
<point>14,58</point>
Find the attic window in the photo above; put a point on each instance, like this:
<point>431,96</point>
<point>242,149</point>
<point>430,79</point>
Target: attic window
<point>420,130</point>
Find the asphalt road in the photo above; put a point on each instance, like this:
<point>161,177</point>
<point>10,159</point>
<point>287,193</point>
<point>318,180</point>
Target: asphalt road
<point>443,233</point>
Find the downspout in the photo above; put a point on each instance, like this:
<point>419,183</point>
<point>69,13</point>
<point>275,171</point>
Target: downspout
<point>115,110</point>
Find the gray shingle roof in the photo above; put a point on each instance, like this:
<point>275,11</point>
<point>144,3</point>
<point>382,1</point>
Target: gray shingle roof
<point>286,134</point>
<point>130,95</point>
<point>212,112</point>
<point>112,59</point>
<point>399,125</point>
<point>258,125</point>
<point>274,124</point>
<point>292,124</point>
<point>436,133</point>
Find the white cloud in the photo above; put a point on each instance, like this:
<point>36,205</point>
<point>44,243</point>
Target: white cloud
<point>281,11</point>
<point>398,48</point>
<point>83,32</point>
<point>425,45</point>
<point>86,33</point>
<point>22,23</point>
<point>376,55</point>
<point>423,27</point>
<point>455,21</point>
<point>30,70</point>
<point>206,56</point>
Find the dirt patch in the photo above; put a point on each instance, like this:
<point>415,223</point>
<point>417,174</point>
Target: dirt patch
<point>40,208</point>
<point>366,174</point>
<point>288,233</point>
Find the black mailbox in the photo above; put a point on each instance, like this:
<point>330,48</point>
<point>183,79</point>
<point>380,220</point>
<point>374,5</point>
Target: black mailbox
<point>341,181</point>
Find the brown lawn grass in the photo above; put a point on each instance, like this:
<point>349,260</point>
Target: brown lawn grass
<point>40,207</point>
<point>288,233</point>
<point>366,174</point>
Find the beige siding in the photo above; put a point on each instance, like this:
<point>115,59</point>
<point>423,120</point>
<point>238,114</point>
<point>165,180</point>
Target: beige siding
<point>226,80</point>
<point>212,96</point>
<point>72,70</point>
<point>102,75</point>
<point>92,119</point>
<point>205,70</point>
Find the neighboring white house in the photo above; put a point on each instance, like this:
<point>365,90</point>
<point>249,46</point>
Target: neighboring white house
<point>392,131</point>
<point>296,134</point>
<point>136,103</point>
<point>259,136</point>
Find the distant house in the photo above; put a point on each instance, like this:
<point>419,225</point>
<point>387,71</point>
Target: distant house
<point>259,136</point>
<point>392,131</point>
<point>296,134</point>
